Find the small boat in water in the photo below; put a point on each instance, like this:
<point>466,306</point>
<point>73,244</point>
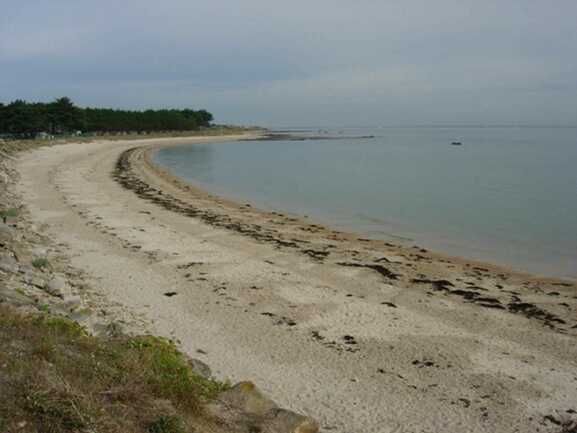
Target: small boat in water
<point>456,143</point>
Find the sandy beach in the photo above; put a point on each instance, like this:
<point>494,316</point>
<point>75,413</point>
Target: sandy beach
<point>363,335</point>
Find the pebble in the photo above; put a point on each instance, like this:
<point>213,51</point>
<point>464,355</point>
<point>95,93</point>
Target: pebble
<point>56,286</point>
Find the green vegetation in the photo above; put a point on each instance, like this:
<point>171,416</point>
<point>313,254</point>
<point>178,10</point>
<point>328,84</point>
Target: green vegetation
<point>171,375</point>
<point>166,424</point>
<point>55,378</point>
<point>60,117</point>
<point>9,213</point>
<point>40,263</point>
<point>44,308</point>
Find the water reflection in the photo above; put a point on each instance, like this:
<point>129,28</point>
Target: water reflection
<point>197,160</point>
<point>506,195</point>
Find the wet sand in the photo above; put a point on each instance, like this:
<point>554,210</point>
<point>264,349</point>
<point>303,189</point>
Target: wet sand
<point>363,335</point>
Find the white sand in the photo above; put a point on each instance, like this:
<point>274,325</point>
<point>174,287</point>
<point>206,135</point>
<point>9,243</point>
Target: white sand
<point>492,371</point>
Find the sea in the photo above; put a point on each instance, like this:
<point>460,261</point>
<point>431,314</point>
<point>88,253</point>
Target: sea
<point>501,194</point>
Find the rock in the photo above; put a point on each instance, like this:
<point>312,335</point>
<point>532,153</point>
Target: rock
<point>245,408</point>
<point>72,302</point>
<point>11,268</point>
<point>200,368</point>
<point>8,264</point>
<point>246,397</point>
<point>56,286</point>
<point>285,421</point>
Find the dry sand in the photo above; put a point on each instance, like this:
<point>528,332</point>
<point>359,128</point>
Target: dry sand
<point>364,336</point>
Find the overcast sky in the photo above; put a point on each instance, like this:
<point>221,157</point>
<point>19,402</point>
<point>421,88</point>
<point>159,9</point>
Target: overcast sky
<point>297,62</point>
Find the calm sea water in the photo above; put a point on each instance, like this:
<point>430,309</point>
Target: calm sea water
<point>507,195</point>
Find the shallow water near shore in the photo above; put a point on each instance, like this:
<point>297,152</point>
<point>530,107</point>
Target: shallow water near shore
<point>507,195</point>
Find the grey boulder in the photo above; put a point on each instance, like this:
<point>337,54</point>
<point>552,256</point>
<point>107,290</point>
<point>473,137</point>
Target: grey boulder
<point>56,286</point>
<point>245,408</point>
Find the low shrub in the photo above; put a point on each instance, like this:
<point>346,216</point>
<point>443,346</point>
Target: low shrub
<point>40,263</point>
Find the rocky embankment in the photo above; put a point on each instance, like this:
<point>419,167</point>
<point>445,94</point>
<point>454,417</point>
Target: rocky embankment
<point>34,274</point>
<point>36,278</point>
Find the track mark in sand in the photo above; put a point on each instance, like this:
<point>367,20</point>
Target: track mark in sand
<point>63,180</point>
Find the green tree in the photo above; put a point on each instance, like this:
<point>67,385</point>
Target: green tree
<point>64,116</point>
<point>204,117</point>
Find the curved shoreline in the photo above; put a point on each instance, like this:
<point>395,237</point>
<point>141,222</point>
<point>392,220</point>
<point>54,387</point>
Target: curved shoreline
<point>358,334</point>
<point>398,265</point>
<point>152,168</point>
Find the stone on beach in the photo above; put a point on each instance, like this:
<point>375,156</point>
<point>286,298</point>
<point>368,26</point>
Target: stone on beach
<point>56,286</point>
<point>285,421</point>
<point>247,397</point>
<point>72,302</point>
<point>244,405</point>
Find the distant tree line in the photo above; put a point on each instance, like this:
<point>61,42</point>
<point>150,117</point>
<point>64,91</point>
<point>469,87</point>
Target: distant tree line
<point>28,119</point>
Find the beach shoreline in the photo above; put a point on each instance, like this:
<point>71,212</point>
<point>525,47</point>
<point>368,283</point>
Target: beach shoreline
<point>151,169</point>
<point>362,335</point>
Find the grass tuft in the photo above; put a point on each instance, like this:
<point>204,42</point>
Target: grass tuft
<point>166,424</point>
<point>62,326</point>
<point>54,410</point>
<point>40,263</point>
<point>171,376</point>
